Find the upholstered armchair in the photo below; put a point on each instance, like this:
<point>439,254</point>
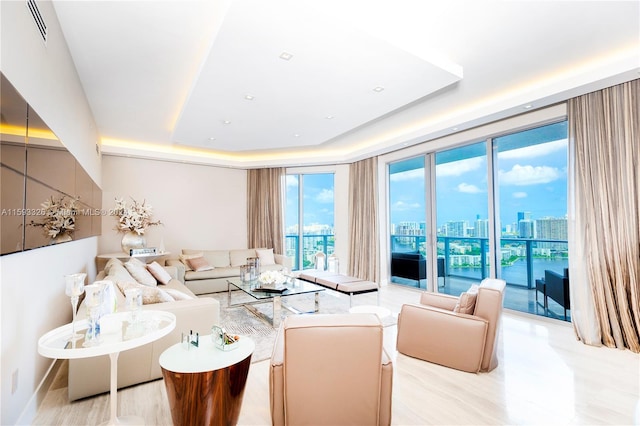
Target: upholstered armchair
<point>457,332</point>
<point>330,370</point>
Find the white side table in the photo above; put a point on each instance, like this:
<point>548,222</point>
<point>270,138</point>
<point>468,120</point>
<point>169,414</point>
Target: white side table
<point>204,384</point>
<point>117,335</point>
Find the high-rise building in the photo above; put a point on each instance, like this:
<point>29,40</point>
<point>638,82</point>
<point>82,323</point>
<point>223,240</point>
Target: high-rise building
<point>552,228</point>
<point>457,228</point>
<point>526,229</point>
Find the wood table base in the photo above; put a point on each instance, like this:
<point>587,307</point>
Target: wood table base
<point>207,398</point>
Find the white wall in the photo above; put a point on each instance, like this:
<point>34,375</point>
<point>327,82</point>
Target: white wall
<point>32,295</point>
<point>201,207</point>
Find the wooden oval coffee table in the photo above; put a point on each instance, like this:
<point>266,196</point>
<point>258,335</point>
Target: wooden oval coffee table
<point>205,385</point>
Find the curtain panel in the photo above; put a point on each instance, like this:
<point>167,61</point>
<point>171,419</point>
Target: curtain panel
<point>265,225</point>
<point>363,220</point>
<point>604,129</point>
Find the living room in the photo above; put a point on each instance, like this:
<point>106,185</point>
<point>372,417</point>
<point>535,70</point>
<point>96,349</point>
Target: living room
<point>202,201</point>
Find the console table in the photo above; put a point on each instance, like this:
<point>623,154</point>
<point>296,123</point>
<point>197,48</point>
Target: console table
<point>117,335</point>
<point>205,385</point>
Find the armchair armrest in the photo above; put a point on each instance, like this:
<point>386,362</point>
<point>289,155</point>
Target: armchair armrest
<point>276,380</point>
<point>442,337</point>
<point>179,268</point>
<point>283,260</point>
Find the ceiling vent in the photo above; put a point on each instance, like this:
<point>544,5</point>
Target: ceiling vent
<point>37,19</point>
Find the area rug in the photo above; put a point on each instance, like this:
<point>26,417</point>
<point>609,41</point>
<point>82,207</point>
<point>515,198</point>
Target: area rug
<point>241,321</point>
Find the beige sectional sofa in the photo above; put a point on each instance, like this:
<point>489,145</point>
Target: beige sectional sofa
<point>225,264</point>
<point>91,376</point>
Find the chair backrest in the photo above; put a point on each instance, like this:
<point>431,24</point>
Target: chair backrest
<point>332,369</point>
<point>489,306</point>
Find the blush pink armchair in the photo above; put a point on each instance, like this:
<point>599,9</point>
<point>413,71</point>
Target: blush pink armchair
<point>330,370</point>
<point>434,331</point>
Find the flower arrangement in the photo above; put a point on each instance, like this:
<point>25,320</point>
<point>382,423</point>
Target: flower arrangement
<point>59,216</point>
<point>134,218</point>
<point>272,277</point>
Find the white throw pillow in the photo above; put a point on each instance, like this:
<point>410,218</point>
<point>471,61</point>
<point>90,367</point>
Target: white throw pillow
<point>266,256</point>
<point>150,295</point>
<point>159,272</point>
<point>138,271</point>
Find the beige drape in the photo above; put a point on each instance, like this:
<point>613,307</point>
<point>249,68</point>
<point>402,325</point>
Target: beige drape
<point>604,128</point>
<point>265,226</point>
<point>363,220</point>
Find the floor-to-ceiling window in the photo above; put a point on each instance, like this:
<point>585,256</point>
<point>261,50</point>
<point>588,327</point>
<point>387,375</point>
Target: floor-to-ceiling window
<point>462,215</point>
<point>407,215</point>
<point>500,211</point>
<point>531,176</point>
<point>309,220</point>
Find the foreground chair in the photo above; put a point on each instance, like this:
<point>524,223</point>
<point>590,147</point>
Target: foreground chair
<point>457,332</point>
<point>330,370</point>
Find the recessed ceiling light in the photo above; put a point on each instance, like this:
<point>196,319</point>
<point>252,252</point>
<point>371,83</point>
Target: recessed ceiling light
<point>296,135</point>
<point>329,117</point>
<point>226,122</point>
<point>454,128</point>
<point>527,106</point>
<point>248,97</point>
<point>286,56</point>
<point>378,89</point>
<point>211,139</point>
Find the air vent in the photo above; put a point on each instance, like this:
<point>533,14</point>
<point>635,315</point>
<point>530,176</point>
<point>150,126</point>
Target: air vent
<point>37,19</point>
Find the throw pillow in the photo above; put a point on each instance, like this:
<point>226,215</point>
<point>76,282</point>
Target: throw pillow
<point>184,257</point>
<point>150,295</point>
<point>138,271</point>
<point>110,263</point>
<point>199,264</point>
<point>266,256</point>
<point>159,273</point>
<point>177,294</point>
<point>467,301</point>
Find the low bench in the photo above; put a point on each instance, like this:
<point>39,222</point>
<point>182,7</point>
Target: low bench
<point>341,283</point>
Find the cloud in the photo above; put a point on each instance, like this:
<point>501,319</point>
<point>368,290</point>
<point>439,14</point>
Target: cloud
<point>291,180</point>
<point>408,175</point>
<point>534,150</point>
<point>528,175</point>
<point>400,206</point>
<point>468,189</point>
<point>325,196</point>
<point>519,194</point>
<point>457,168</point>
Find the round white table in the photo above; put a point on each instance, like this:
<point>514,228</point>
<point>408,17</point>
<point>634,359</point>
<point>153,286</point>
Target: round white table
<point>205,384</point>
<point>116,335</point>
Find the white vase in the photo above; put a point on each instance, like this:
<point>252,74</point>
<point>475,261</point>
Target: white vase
<point>131,240</point>
<point>61,238</point>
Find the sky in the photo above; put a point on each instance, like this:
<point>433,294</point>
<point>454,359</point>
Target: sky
<point>531,172</point>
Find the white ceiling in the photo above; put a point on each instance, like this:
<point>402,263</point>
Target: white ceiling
<point>169,79</point>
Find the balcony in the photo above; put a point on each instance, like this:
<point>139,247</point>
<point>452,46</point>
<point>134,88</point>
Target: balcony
<point>466,260</point>
<point>311,244</point>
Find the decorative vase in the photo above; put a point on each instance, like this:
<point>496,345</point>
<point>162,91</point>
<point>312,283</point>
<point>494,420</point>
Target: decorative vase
<point>61,238</point>
<point>132,240</point>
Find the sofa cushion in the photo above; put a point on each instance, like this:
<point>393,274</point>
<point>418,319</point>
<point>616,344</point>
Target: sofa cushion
<point>214,273</point>
<point>177,294</point>
<point>216,258</point>
<point>110,263</point>
<point>239,257</point>
<point>158,272</point>
<point>266,256</point>
<point>150,295</point>
<point>199,264</point>
<point>139,272</point>
<point>467,301</point>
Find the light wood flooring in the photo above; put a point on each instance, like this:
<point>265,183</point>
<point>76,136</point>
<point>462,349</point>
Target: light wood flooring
<point>545,376</point>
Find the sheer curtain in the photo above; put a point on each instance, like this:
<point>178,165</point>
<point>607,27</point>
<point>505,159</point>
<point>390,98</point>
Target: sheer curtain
<point>363,219</point>
<point>265,226</point>
<point>604,128</point>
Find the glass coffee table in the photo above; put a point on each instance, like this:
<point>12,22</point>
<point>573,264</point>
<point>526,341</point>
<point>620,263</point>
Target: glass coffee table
<point>294,287</point>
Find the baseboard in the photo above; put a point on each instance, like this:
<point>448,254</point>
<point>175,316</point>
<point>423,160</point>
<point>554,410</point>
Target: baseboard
<point>31,409</point>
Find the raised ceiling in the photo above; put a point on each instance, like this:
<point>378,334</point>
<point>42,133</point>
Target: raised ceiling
<point>249,83</point>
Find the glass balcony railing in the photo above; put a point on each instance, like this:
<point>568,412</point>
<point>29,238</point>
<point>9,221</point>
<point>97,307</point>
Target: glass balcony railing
<point>311,244</point>
<point>522,259</point>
